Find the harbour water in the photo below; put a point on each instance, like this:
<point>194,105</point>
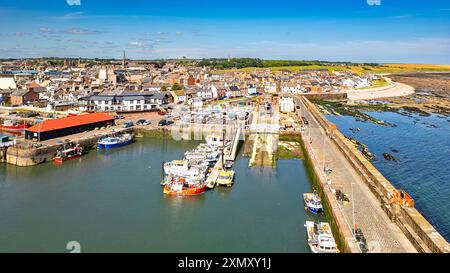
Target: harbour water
<point>113,202</point>
<point>422,146</point>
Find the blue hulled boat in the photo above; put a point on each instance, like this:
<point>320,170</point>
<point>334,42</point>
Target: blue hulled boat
<point>114,142</point>
<point>313,202</point>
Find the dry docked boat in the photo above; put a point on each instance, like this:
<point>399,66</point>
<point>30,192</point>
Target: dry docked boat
<point>320,237</point>
<point>313,202</point>
<point>67,154</point>
<point>11,125</point>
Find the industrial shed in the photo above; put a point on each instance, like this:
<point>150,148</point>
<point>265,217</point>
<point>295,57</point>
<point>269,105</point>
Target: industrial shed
<point>60,127</point>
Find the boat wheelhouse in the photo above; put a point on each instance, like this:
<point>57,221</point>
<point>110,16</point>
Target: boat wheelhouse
<point>320,237</point>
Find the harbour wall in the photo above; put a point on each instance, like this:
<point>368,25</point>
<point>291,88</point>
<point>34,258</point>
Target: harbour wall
<point>29,154</point>
<point>26,153</point>
<point>335,218</point>
<point>341,229</point>
<point>415,227</point>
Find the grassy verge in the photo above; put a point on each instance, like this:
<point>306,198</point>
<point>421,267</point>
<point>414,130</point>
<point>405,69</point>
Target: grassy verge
<point>383,68</point>
<point>161,134</point>
<point>376,84</point>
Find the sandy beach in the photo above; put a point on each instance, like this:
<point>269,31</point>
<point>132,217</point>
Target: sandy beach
<point>394,89</point>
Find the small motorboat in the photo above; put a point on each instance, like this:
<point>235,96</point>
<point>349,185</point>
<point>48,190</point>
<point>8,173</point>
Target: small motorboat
<point>313,202</point>
<point>320,237</point>
<point>67,154</point>
<point>225,178</point>
<point>228,164</point>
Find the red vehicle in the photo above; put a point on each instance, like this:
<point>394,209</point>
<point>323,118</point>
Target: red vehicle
<point>10,125</point>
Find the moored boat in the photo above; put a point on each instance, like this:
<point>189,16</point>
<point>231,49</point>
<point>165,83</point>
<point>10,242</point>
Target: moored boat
<point>11,125</point>
<point>178,186</point>
<point>313,202</point>
<point>114,142</point>
<point>225,178</point>
<point>67,154</point>
<point>320,237</point>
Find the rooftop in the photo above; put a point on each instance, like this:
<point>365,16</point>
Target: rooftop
<point>60,123</point>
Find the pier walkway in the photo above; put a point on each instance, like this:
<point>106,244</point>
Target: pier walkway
<point>232,153</point>
<point>381,233</point>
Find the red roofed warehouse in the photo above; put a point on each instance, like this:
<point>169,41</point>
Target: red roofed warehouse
<point>60,127</point>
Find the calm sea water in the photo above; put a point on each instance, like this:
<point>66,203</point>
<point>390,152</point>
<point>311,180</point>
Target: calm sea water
<point>113,202</point>
<point>422,145</point>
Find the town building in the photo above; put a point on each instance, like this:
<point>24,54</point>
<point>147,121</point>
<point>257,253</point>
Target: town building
<point>54,128</point>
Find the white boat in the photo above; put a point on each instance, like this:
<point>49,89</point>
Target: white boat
<point>313,202</point>
<point>182,168</point>
<point>320,237</point>
<point>214,140</point>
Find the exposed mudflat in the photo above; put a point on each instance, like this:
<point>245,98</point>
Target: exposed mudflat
<point>437,84</point>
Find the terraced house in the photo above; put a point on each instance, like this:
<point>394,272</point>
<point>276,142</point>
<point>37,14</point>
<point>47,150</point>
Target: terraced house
<point>127,101</point>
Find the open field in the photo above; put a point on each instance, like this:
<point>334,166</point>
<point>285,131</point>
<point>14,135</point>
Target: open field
<point>382,68</point>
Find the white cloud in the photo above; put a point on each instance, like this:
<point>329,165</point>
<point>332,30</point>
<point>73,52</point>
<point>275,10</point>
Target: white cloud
<point>73,2</point>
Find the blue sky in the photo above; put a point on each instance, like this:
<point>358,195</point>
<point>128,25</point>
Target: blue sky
<point>407,31</point>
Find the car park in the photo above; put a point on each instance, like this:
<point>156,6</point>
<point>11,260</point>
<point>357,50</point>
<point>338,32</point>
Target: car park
<point>162,122</point>
<point>127,124</point>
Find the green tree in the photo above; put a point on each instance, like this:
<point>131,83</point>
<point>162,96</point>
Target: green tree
<point>176,86</point>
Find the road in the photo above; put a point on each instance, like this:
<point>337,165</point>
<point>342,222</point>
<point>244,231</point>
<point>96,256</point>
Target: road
<point>381,233</point>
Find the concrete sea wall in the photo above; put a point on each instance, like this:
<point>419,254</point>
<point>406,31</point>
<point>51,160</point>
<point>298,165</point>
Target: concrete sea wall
<point>418,230</point>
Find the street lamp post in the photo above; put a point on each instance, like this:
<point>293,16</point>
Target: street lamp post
<point>323,150</point>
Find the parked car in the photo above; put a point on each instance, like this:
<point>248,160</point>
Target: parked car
<point>127,124</point>
<point>168,115</point>
<point>169,122</point>
<point>143,122</point>
<point>162,122</point>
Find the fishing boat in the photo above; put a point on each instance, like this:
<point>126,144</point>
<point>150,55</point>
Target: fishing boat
<point>225,178</point>
<point>11,125</point>
<point>67,154</point>
<point>320,237</point>
<point>214,140</point>
<point>183,168</point>
<point>313,202</point>
<point>228,164</point>
<point>178,186</point>
<point>114,142</point>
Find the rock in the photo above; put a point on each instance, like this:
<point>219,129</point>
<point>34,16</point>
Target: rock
<point>389,157</point>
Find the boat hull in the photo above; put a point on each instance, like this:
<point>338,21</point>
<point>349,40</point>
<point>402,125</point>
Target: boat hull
<point>115,145</point>
<point>60,160</point>
<point>314,210</point>
<point>185,192</point>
